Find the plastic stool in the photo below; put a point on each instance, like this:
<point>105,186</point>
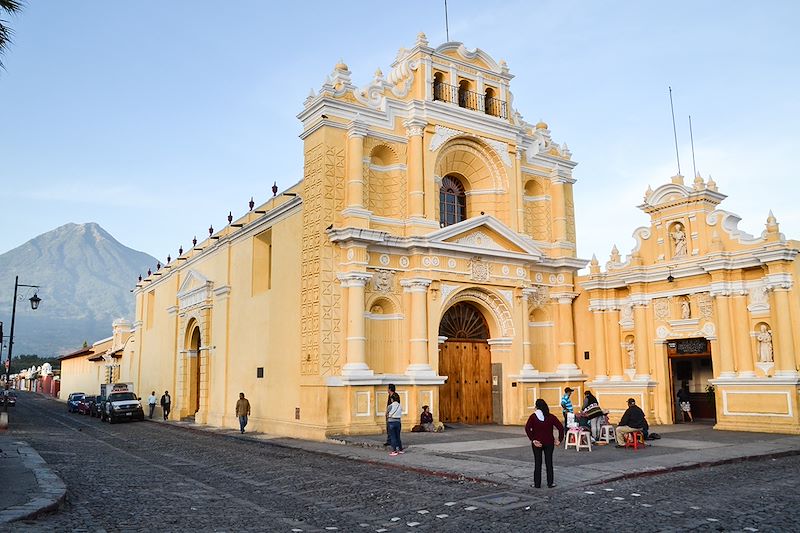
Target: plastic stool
<point>607,433</point>
<point>634,439</point>
<point>579,439</point>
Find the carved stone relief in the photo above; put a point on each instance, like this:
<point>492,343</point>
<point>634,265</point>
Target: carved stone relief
<point>661,308</point>
<point>479,269</point>
<point>705,305</point>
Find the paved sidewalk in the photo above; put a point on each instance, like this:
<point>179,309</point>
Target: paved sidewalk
<point>29,487</point>
<point>502,454</point>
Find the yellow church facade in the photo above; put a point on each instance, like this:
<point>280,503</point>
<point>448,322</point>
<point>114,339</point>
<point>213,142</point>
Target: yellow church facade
<point>431,223</point>
<point>700,303</point>
<point>431,244</point>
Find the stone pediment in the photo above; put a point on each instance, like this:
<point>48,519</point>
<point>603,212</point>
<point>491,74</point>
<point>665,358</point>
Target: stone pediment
<point>484,234</point>
<point>194,289</point>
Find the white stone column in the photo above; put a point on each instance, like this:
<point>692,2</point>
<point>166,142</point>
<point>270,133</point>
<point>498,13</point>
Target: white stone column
<point>356,357</point>
<point>419,364</point>
<point>640,340</point>
<point>600,362</point>
<point>566,335</point>
<point>527,347</point>
<point>415,170</point>
<point>355,165</point>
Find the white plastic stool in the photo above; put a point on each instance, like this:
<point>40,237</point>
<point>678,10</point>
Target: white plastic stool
<point>579,439</point>
<point>607,433</point>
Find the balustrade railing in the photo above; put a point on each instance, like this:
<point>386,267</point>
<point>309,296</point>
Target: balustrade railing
<point>469,99</point>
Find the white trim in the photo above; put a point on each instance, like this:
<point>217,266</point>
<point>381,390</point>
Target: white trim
<point>726,412</point>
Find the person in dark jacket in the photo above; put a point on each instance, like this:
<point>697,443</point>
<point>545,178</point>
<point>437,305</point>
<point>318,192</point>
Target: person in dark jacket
<point>632,420</point>
<point>539,429</point>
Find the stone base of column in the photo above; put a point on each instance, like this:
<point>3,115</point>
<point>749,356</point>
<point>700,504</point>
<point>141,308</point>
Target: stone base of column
<point>792,374</point>
<point>617,378</point>
<point>747,374</point>
<point>726,375</point>
<point>568,369</point>
<point>421,370</point>
<point>642,377</point>
<point>357,370</point>
<point>528,371</point>
<point>601,379</point>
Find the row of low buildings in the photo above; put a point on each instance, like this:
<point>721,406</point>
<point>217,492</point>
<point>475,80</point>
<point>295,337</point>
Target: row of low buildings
<point>431,244</point>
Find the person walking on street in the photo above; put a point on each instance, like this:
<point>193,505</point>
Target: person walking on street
<point>566,404</point>
<point>242,411</point>
<point>166,403</point>
<point>151,402</point>
<point>539,429</point>
<point>391,390</point>
<point>684,400</point>
<point>394,414</point>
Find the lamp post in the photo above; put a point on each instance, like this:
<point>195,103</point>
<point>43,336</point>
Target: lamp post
<point>35,300</point>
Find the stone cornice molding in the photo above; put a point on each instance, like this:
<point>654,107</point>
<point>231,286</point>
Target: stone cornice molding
<point>415,284</point>
<point>354,279</point>
<point>415,127</point>
<point>357,128</point>
<point>563,297</point>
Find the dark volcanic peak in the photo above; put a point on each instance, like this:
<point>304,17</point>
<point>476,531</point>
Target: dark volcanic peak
<point>85,276</point>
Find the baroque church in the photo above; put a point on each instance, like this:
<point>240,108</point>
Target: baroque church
<point>431,244</point>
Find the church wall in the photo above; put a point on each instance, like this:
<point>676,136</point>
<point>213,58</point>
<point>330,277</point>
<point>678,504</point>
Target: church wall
<point>78,374</point>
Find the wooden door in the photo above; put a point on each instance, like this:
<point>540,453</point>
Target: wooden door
<point>466,397</point>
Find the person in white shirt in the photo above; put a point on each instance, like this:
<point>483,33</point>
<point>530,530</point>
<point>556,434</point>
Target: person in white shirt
<point>394,413</point>
<point>151,401</point>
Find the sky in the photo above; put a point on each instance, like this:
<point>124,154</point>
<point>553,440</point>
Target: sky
<point>154,119</point>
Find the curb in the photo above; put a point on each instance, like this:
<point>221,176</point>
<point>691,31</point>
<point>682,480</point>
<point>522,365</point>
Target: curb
<point>703,464</point>
<point>52,490</point>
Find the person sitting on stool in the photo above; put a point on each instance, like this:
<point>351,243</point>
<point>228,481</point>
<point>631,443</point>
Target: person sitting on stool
<point>632,420</point>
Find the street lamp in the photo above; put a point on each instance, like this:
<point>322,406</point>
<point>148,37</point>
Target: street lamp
<point>35,300</point>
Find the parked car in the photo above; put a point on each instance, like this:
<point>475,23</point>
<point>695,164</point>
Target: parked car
<point>85,405</point>
<point>73,400</point>
<point>8,397</point>
<point>122,406</point>
<point>96,408</point>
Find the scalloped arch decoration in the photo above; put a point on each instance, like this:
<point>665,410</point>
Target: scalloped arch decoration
<point>478,164</point>
<point>502,324</point>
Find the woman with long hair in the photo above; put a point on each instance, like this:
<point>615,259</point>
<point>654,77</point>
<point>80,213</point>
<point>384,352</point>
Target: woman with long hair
<point>539,429</point>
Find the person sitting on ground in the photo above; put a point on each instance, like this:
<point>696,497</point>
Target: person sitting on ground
<point>426,419</point>
<point>632,420</point>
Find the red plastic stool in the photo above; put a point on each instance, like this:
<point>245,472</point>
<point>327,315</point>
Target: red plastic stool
<point>634,439</point>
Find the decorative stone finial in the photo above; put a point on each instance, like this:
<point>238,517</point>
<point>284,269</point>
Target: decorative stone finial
<point>698,182</point>
<point>711,184</point>
<point>542,125</point>
<point>341,66</point>
<point>614,254</point>
<point>648,193</point>
<point>378,74</point>
<point>677,179</point>
<point>773,229</point>
<point>422,39</point>
<point>594,265</point>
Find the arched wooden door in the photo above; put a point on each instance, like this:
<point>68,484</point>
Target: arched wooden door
<point>465,358</point>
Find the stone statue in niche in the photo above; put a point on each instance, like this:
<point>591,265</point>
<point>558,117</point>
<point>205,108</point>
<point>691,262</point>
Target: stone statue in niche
<point>631,355</point>
<point>686,308</point>
<point>679,239</point>
<point>764,338</point>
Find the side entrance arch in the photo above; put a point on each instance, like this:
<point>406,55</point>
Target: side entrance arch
<point>465,358</point>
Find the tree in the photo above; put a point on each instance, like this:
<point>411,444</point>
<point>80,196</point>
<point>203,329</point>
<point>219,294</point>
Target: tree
<point>7,7</point>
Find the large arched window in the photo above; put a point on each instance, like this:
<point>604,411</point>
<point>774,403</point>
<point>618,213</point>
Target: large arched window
<point>452,201</point>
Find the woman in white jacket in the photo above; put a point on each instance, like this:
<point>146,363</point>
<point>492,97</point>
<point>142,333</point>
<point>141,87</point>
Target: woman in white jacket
<point>394,414</point>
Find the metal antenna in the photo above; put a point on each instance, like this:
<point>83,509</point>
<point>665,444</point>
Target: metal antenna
<point>691,136</point>
<point>674,130</point>
<point>446,23</point>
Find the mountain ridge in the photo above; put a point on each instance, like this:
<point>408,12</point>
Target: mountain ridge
<point>85,276</point>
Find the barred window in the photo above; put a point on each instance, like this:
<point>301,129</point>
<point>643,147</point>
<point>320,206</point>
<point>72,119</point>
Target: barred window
<point>452,201</point>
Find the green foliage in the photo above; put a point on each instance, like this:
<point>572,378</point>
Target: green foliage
<point>7,7</point>
<point>24,361</point>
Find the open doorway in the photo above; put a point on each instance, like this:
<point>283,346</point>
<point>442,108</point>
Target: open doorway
<point>690,366</point>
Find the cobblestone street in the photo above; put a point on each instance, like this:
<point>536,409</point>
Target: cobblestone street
<point>155,477</point>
